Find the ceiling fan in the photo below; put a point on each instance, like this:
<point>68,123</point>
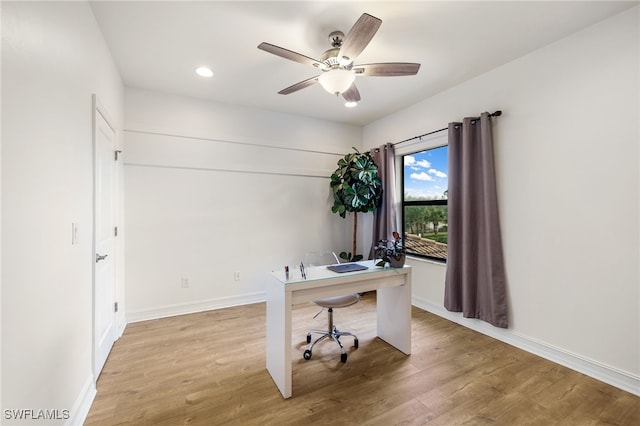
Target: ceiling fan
<point>338,70</point>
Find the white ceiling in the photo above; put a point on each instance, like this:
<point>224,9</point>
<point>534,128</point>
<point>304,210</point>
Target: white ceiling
<point>158,45</point>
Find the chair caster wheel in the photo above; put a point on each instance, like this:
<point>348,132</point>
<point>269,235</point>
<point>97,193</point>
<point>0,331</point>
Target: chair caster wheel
<point>309,338</point>
<point>355,343</point>
<point>343,357</point>
<point>307,355</point>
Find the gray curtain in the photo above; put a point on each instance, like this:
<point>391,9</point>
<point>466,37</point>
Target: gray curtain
<point>385,218</point>
<point>475,280</point>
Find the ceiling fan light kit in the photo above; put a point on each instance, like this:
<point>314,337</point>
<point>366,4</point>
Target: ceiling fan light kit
<point>338,72</point>
<point>336,81</point>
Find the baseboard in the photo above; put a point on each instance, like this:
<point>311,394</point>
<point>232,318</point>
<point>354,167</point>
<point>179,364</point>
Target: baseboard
<point>120,329</point>
<point>193,307</point>
<point>612,376</point>
<point>80,410</point>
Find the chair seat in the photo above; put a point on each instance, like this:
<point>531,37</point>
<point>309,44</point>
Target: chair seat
<point>331,332</point>
<point>338,301</point>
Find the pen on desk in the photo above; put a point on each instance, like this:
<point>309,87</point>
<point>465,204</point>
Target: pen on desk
<point>286,272</point>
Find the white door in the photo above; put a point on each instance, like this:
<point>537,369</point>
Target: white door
<point>104,277</point>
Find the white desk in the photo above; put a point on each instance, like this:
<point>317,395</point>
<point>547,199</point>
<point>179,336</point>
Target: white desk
<point>393,305</point>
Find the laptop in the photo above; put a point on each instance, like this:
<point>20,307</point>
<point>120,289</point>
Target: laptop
<point>347,267</point>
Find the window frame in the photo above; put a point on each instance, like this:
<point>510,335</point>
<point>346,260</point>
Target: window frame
<point>436,140</point>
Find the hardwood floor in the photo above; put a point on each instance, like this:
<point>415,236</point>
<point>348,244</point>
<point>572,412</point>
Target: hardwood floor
<point>209,369</point>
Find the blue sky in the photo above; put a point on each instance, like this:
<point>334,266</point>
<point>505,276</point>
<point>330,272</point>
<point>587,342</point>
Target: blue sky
<point>425,173</point>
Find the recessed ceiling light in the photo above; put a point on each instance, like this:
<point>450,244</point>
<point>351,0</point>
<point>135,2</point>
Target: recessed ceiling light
<point>204,72</point>
<point>350,104</point>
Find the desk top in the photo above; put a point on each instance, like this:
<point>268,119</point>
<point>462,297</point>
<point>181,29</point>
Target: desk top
<point>320,273</point>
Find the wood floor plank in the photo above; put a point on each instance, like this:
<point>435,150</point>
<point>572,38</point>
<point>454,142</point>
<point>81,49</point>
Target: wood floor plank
<point>209,369</point>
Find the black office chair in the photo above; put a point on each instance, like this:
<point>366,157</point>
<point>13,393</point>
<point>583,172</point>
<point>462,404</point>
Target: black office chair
<point>323,259</point>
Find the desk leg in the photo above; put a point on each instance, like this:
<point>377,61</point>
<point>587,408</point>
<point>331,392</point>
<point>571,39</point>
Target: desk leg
<point>394,316</point>
<point>279,336</point>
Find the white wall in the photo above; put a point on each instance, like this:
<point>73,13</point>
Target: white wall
<point>214,189</point>
<point>568,185</point>
<point>53,60</point>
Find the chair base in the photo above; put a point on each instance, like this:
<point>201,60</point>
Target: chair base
<point>332,333</point>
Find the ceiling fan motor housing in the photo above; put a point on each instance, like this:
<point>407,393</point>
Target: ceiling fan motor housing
<point>330,57</point>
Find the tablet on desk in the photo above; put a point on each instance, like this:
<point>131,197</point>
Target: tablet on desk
<point>347,267</point>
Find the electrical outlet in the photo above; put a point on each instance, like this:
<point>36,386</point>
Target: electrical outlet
<point>184,282</point>
<point>236,276</point>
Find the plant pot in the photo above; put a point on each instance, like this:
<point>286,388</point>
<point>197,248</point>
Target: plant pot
<point>397,261</point>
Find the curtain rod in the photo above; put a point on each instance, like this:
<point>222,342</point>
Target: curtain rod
<point>495,114</point>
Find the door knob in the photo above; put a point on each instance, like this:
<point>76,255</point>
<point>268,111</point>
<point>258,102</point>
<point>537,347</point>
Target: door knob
<point>100,257</point>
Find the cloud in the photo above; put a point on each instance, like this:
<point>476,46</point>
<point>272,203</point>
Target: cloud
<point>421,176</point>
<point>410,161</point>
<point>423,194</point>
<point>438,173</point>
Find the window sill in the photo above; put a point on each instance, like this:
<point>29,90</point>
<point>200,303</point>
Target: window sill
<point>423,260</point>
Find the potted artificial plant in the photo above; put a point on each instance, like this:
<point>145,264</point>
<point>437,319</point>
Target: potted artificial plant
<point>356,188</point>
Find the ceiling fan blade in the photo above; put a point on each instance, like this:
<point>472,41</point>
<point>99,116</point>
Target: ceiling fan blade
<point>352,94</point>
<point>359,37</point>
<point>387,69</point>
<point>291,55</point>
<point>299,86</point>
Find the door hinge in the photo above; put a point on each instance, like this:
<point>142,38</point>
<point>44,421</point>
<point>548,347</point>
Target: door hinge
<point>115,307</point>
<point>115,231</point>
<point>117,152</point>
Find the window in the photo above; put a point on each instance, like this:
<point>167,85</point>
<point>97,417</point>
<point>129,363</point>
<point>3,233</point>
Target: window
<point>424,202</point>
